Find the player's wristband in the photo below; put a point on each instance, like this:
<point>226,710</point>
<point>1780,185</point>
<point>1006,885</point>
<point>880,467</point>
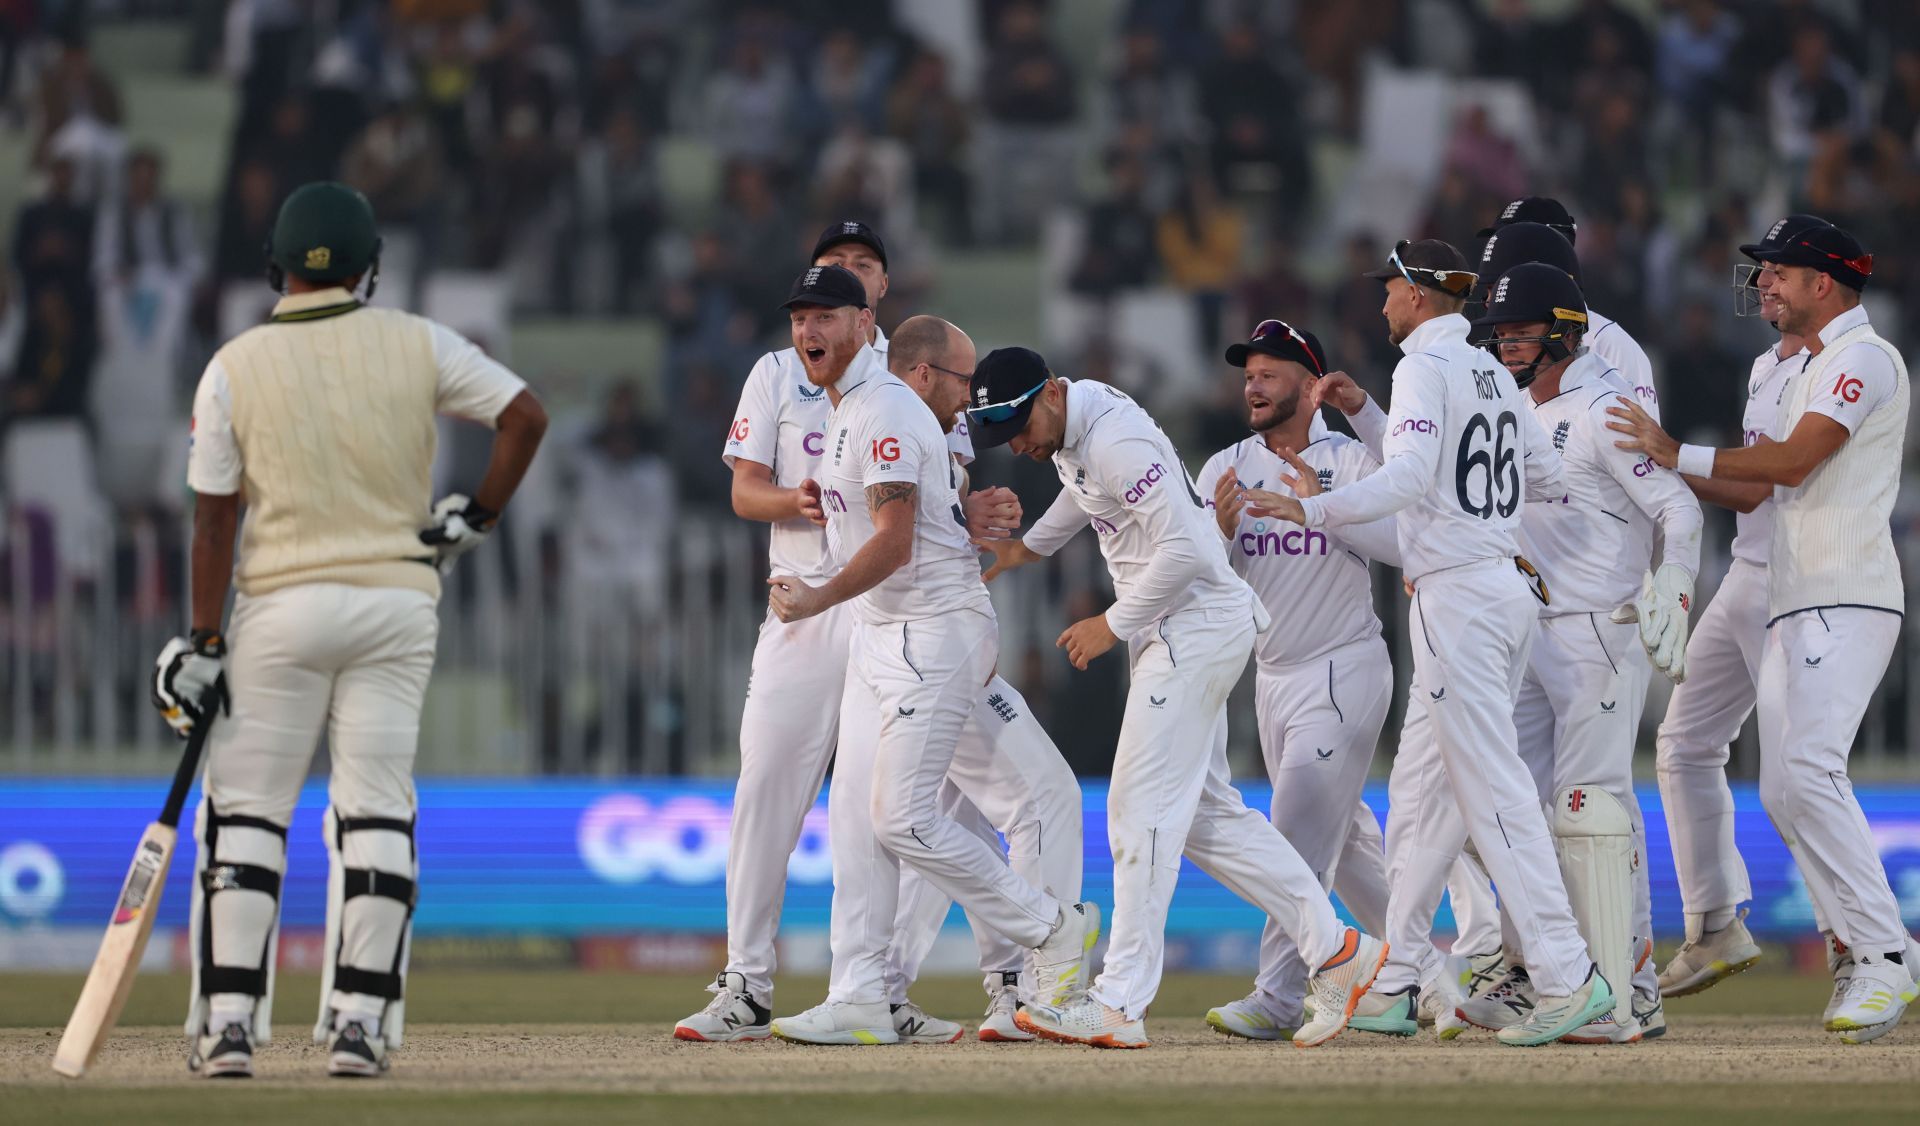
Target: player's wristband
<point>1696,461</point>
<point>208,643</point>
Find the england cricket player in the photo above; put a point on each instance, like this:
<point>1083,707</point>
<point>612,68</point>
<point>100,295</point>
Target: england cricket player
<point>322,423</point>
<point>1834,599</point>
<point>924,640</point>
<point>1189,625</point>
<point>1457,449</point>
<point>774,449</point>
<point>1324,678</point>
<point>1723,670</point>
<point>1579,706</point>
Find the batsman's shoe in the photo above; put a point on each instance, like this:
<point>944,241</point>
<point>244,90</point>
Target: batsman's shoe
<point>1651,1014</point>
<point>1389,1014</point>
<point>1085,1021</point>
<point>1063,964</point>
<point>1003,1004</point>
<point>1840,967</point>
<point>1713,958</point>
<point>916,1026</point>
<point>357,1054</point>
<point>1554,1017</point>
<point>225,1055</point>
<point>840,1022</point>
<point>1339,985</point>
<point>1507,1003</point>
<point>1248,1019</point>
<point>1877,994</point>
<point>732,1015</point>
<point>1482,973</point>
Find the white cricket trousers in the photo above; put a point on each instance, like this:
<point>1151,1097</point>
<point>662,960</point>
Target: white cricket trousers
<point>1704,716</point>
<point>1472,629</point>
<point>1319,722</point>
<point>353,662</point>
<point>1007,778</point>
<point>1577,719</point>
<point>911,688</point>
<point>1820,669</point>
<point>1172,794</point>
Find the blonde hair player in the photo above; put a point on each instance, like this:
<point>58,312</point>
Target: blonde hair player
<point>322,424</point>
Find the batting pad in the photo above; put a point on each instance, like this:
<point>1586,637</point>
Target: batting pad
<point>1593,838</point>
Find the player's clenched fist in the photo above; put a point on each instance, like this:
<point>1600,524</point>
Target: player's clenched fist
<point>992,514</point>
<point>792,599</point>
<point>1229,502</point>
<point>459,525</point>
<point>1087,639</point>
<point>190,680</point>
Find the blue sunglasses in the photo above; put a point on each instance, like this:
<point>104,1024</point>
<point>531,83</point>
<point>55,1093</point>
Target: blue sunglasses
<point>1001,412</point>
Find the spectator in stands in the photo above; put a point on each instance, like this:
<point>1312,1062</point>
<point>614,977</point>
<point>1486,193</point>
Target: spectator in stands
<point>1028,97</point>
<point>1200,240</point>
<point>1510,43</point>
<point>846,80</point>
<point>708,320</point>
<point>1488,158</point>
<point>397,163</point>
<point>1613,146</point>
<point>1697,43</point>
<point>923,112</point>
<point>247,221</point>
<point>1609,18</point>
<point>147,233</point>
<point>1148,90</point>
<point>618,469</point>
<point>1356,317</point>
<point>757,221</point>
<point>53,235</point>
<point>1716,385</point>
<point>52,373</point>
<point>521,167</point>
<point>1816,104</point>
<point>1118,250</point>
<point>447,73</point>
<point>1259,136</point>
<point>863,174</point>
<point>72,87</point>
<point>617,199</point>
<point>749,105</point>
<point>1276,289</point>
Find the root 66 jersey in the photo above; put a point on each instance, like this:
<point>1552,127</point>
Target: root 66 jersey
<point>1461,453</point>
<point>882,434</point>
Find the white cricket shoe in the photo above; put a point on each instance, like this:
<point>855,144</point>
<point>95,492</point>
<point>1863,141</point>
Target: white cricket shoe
<point>1389,1014</point>
<point>1003,1003</point>
<point>1510,1001</point>
<point>1063,964</point>
<point>357,1053</point>
<point>227,1054</point>
<point>1840,966</point>
<point>1711,959</point>
<point>1604,1029</point>
<point>1085,1021</point>
<point>1437,1008</point>
<point>1554,1017</point>
<point>916,1026</point>
<point>1878,994</point>
<point>839,1022</point>
<point>1248,1019</point>
<point>1651,1014</point>
<point>1339,985</point>
<point>1482,972</point>
<point>732,1015</point>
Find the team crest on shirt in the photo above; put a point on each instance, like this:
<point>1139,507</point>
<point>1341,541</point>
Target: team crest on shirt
<point>1560,435</point>
<point>1326,479</point>
<point>809,392</point>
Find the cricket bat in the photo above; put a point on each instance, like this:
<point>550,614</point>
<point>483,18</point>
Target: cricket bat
<point>111,978</point>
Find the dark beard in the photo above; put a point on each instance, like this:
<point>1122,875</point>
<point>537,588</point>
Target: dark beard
<point>1283,412</point>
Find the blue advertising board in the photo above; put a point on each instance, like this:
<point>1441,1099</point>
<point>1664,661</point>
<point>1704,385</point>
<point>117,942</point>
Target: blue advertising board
<point>576,858</point>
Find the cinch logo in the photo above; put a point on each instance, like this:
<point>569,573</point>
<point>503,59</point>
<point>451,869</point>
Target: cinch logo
<point>1141,486</point>
<point>886,449</point>
<point>1848,388</point>
<point>1104,528</point>
<point>739,431</point>
<point>1751,437</point>
<point>1645,467</point>
<point>815,444</point>
<point>835,502</point>
<point>1418,425</point>
<point>1299,541</point>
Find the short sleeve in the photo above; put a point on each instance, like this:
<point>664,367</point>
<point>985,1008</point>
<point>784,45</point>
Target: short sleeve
<point>960,440</point>
<point>1856,383</point>
<point>213,453</point>
<point>473,385</point>
<point>755,433</point>
<point>894,448</point>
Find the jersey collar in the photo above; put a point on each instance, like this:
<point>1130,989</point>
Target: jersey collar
<point>1851,319</point>
<point>864,367</point>
<point>317,305</point>
<point>1449,326</point>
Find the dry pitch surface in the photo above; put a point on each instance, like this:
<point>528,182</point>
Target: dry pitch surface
<point>1747,1051</point>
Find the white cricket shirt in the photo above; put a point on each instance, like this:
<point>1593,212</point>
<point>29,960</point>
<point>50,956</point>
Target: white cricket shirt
<point>1592,544</point>
<point>1766,386</point>
<point>1461,450</point>
<point>1314,584</point>
<point>1606,339</point>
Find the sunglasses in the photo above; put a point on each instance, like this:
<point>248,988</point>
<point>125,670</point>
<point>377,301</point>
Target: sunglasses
<point>1272,327</point>
<point>1863,265</point>
<point>1457,283</point>
<point>1001,412</point>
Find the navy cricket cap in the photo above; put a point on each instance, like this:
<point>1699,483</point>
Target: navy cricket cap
<point>1005,383</point>
<point>1517,243</point>
<point>850,231</point>
<point>1275,337</point>
<point>1781,233</point>
<point>1536,209</point>
<point>1828,249</point>
<point>829,287</point>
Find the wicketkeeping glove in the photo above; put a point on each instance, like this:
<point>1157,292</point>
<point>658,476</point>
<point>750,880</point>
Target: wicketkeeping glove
<point>1666,599</point>
<point>190,680</point>
<point>459,526</point>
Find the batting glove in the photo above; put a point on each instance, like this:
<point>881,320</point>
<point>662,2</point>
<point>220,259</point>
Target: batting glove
<point>459,526</point>
<point>190,680</point>
<point>1666,599</point>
